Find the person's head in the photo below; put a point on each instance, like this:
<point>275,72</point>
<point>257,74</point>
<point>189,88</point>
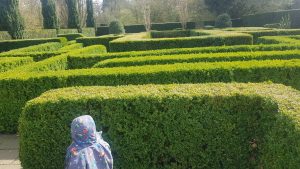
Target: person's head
<point>83,130</point>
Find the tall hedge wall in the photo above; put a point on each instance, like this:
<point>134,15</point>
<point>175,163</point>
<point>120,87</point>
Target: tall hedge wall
<point>34,82</point>
<point>172,126</point>
<point>272,17</point>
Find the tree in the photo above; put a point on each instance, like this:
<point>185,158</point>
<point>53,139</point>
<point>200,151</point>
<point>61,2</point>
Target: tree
<point>90,21</point>
<point>147,15</point>
<point>31,12</point>
<point>182,7</point>
<point>50,20</point>
<point>10,14</point>
<point>73,16</point>
<point>62,11</point>
<point>219,6</point>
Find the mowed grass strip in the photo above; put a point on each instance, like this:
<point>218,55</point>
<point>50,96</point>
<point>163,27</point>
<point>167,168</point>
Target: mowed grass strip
<point>209,57</point>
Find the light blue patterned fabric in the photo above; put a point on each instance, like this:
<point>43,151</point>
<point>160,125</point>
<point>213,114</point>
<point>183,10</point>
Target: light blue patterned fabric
<point>88,150</point>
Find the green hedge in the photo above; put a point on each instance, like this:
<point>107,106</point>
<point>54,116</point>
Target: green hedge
<point>102,30</point>
<point>137,28</point>
<point>51,46</point>
<point>189,58</point>
<point>28,81</point>
<point>171,26</point>
<point>37,56</point>
<point>170,34</point>
<point>87,61</point>
<point>13,62</point>
<point>37,52</point>
<point>90,32</point>
<point>71,36</point>
<point>277,40</point>
<point>67,31</point>
<point>272,17</point>
<point>101,40</point>
<point>275,32</point>
<point>39,33</point>
<point>60,62</point>
<point>170,126</point>
<point>15,44</point>
<point>71,47</point>
<point>130,44</point>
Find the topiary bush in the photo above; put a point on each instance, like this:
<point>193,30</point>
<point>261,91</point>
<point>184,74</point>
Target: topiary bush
<point>116,27</point>
<point>223,21</point>
<point>170,126</point>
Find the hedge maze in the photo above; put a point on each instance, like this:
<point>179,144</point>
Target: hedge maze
<point>164,99</point>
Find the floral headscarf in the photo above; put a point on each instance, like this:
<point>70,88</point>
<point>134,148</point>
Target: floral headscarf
<point>88,150</point>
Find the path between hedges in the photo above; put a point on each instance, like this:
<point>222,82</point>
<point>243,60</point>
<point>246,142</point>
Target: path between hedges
<point>9,152</point>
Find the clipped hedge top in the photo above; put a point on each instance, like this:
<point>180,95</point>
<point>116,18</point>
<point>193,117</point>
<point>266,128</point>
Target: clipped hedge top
<point>213,49</point>
<point>12,62</point>
<point>277,91</point>
<point>51,46</point>
<point>207,57</point>
<point>12,59</point>
<point>150,69</point>
<point>59,39</point>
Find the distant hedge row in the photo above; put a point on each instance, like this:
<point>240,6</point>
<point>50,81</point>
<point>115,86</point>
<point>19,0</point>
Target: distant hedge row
<point>34,82</point>
<point>103,30</point>
<point>272,17</point>
<point>48,33</point>
<point>37,52</point>
<point>277,40</point>
<point>102,40</point>
<point>71,36</point>
<point>259,20</point>
<point>130,43</point>
<point>88,60</point>
<point>15,44</point>
<point>170,126</point>
<point>276,32</point>
<point>189,58</point>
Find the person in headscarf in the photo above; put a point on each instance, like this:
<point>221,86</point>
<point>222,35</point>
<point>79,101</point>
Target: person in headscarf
<point>88,149</point>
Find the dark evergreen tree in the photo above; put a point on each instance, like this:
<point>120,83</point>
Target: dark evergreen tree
<point>73,16</point>
<point>49,14</point>
<point>116,27</point>
<point>90,20</point>
<point>11,18</point>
